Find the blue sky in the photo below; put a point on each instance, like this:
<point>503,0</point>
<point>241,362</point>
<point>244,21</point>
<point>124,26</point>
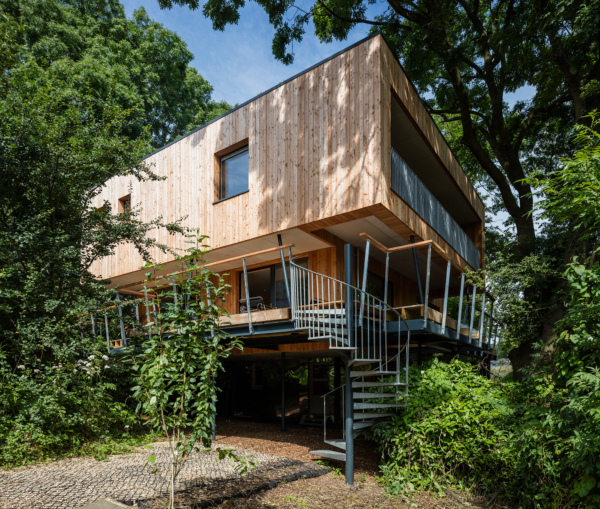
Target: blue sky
<point>238,62</point>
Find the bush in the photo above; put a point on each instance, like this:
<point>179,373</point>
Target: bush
<point>68,408</point>
<point>535,443</point>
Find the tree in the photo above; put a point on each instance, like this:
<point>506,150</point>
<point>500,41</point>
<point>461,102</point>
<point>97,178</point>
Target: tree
<point>148,63</point>
<point>178,361</point>
<point>58,145</point>
<point>468,56</point>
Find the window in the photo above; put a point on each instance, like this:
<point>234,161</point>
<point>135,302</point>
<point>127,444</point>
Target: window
<point>266,287</point>
<point>124,203</point>
<point>375,287</point>
<point>233,174</point>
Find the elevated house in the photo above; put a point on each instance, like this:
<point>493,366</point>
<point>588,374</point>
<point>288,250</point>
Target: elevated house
<point>345,223</point>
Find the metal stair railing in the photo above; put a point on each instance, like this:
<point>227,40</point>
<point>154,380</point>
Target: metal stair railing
<point>319,305</point>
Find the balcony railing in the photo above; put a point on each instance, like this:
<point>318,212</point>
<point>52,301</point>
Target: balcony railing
<point>410,188</point>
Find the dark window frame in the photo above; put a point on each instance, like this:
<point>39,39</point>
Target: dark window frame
<point>224,158</point>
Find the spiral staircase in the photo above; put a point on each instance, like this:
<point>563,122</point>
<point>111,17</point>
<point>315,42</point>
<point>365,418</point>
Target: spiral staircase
<point>366,329</point>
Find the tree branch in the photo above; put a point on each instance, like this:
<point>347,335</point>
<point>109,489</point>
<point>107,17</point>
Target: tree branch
<point>351,20</point>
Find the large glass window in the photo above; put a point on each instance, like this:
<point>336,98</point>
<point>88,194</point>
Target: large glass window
<point>233,178</point>
<point>266,287</point>
<point>375,286</point>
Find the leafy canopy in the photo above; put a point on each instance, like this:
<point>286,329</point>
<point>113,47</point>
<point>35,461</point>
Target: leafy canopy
<point>138,61</point>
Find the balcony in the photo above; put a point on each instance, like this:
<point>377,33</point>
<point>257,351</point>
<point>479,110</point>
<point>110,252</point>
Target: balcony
<point>409,187</point>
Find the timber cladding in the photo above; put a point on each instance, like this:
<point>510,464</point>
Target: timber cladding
<point>316,151</point>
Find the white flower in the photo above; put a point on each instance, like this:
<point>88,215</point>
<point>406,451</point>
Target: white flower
<point>36,370</point>
<point>22,376</point>
<point>422,372</point>
<point>91,357</point>
<point>106,367</point>
<point>21,366</point>
<point>101,436</point>
<point>105,357</point>
<point>127,426</point>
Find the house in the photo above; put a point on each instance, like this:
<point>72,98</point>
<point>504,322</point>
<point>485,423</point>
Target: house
<point>342,167</point>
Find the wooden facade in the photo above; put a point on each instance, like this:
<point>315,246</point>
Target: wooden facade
<point>318,152</point>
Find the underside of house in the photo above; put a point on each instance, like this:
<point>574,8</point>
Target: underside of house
<point>345,226</point>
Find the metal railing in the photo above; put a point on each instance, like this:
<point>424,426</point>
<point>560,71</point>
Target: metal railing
<point>347,317</point>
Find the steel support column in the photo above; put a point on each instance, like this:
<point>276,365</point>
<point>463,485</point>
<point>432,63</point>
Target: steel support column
<point>285,275</point>
<point>283,391</point>
<point>414,252</point>
<point>337,381</point>
<point>349,403</point>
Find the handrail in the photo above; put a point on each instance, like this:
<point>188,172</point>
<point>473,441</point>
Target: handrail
<point>320,305</point>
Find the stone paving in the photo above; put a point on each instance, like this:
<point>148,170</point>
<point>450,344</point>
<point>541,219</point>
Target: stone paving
<point>72,483</point>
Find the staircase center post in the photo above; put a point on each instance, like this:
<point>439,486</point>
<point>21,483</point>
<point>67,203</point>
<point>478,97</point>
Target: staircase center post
<point>283,391</point>
<point>349,403</point>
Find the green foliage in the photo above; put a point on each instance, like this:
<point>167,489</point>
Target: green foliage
<point>448,434</point>
<point>177,363</point>
<point>535,443</point>
<point>58,145</point>
<point>92,46</point>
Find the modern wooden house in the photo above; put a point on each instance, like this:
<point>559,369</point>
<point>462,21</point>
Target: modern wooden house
<point>343,166</point>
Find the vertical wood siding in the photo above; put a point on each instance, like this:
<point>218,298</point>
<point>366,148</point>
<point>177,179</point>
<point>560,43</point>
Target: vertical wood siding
<point>314,148</point>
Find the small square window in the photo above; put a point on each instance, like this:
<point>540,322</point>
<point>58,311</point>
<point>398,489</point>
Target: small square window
<point>233,174</point>
<point>124,203</point>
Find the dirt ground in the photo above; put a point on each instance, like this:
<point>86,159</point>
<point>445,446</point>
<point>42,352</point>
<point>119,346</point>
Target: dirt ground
<point>326,491</point>
<point>295,443</point>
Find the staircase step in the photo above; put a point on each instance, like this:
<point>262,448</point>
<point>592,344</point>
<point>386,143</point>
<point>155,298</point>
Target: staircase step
<point>372,373</point>
<point>364,406</point>
<point>339,442</point>
<point>361,363</point>
<point>371,415</point>
<point>373,395</point>
<point>333,455</point>
<point>363,425</point>
<point>358,385</point>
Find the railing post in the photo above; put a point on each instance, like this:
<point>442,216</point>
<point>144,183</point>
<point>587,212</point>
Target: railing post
<point>349,401</point>
<point>250,328</point>
<point>283,391</point>
<point>481,320</point>
<point>364,282</point>
<point>416,260</point>
<point>446,288</point>
<point>491,320</point>
<point>148,313</point>
<point>123,338</point>
<point>285,276</point>
<point>426,303</point>
<point>460,303</point>
<point>472,314</point>
<point>95,323</point>
<point>107,334</point>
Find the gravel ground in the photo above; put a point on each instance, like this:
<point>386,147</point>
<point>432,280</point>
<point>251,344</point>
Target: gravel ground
<point>76,482</point>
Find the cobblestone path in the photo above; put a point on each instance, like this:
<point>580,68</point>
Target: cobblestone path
<point>76,482</point>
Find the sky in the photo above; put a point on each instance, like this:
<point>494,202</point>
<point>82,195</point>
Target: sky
<point>238,62</point>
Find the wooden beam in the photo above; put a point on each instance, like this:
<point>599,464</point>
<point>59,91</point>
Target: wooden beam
<point>212,264</point>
